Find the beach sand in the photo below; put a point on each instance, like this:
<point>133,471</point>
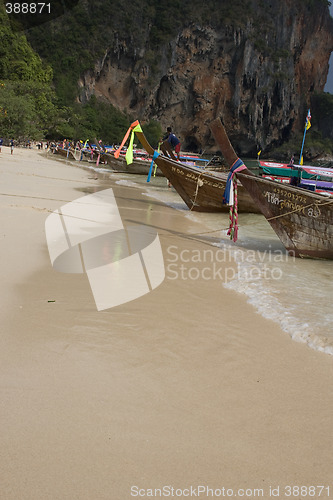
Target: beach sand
<point>186,386</point>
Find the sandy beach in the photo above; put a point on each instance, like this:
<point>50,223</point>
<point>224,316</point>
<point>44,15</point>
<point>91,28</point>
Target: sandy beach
<point>186,387</point>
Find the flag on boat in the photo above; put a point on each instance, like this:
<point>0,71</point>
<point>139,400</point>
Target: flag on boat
<point>308,120</point>
<point>307,126</point>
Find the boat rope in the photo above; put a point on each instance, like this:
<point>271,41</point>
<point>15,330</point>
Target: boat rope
<point>233,215</point>
<point>49,210</point>
<point>209,232</point>
<point>199,184</point>
<point>255,222</point>
<point>328,202</point>
<point>230,197</point>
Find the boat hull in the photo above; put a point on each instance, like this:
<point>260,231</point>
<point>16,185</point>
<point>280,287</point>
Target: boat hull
<point>64,153</point>
<point>139,167</point>
<point>202,191</point>
<point>301,219</point>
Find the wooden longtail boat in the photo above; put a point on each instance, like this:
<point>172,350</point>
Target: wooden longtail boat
<point>138,166</point>
<point>303,171</point>
<point>301,219</point>
<point>201,190</point>
<point>64,153</point>
<point>322,187</point>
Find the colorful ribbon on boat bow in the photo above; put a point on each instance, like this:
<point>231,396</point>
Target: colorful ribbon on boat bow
<point>135,127</point>
<point>155,155</point>
<point>230,198</point>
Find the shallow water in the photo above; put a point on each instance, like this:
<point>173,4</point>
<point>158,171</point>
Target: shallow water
<point>296,293</point>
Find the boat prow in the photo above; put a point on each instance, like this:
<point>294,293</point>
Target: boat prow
<point>300,218</point>
<point>201,190</point>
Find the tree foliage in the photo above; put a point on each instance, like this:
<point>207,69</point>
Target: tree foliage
<point>93,119</point>
<point>153,132</point>
<point>26,96</point>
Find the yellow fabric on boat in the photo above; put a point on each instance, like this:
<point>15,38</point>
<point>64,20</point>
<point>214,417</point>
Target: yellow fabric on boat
<point>133,126</point>
<point>129,152</point>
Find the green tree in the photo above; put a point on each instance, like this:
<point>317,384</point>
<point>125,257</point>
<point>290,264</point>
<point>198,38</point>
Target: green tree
<point>26,97</point>
<point>27,109</point>
<point>153,132</point>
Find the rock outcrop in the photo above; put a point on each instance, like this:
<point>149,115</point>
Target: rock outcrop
<point>258,77</point>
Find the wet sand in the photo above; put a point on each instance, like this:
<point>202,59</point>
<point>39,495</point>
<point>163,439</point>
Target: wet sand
<point>186,386</point>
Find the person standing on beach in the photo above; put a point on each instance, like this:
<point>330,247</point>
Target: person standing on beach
<point>1,142</point>
<point>11,146</point>
<point>173,141</point>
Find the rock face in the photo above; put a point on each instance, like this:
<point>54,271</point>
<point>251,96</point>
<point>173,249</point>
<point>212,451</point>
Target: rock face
<point>258,77</point>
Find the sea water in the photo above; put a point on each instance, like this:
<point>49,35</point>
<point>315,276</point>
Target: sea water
<point>295,293</point>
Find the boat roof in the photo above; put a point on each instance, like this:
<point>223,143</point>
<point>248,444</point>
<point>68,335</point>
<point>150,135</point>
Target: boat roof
<point>327,172</point>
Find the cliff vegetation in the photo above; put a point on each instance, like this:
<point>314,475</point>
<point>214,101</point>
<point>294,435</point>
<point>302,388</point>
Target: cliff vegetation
<point>100,64</point>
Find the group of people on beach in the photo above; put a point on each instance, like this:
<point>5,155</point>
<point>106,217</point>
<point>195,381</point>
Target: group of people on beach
<point>11,144</point>
<point>28,144</point>
<point>169,137</point>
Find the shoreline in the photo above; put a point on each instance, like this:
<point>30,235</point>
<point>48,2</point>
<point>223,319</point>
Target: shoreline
<point>186,385</point>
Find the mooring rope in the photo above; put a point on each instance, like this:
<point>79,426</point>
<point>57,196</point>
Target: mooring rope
<point>233,215</point>
<point>196,190</point>
<point>317,204</point>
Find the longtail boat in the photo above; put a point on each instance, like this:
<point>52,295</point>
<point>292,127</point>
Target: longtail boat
<point>288,170</point>
<point>137,166</point>
<point>67,153</point>
<point>317,179</point>
<point>201,190</point>
<point>301,219</point>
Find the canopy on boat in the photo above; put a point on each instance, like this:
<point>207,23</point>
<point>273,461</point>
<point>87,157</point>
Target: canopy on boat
<point>283,169</point>
<point>325,172</point>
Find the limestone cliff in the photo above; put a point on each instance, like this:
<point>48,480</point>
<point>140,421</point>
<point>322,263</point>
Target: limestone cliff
<point>258,76</point>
